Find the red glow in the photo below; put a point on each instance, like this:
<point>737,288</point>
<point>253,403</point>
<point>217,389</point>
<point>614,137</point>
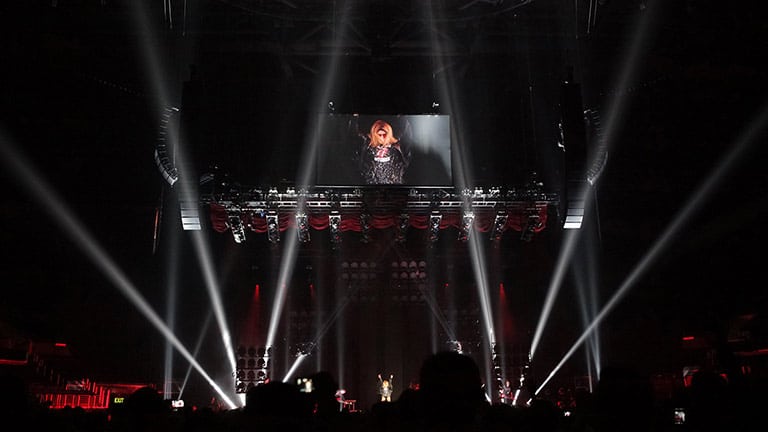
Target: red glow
<point>256,292</point>
<point>688,338</point>
<point>60,345</point>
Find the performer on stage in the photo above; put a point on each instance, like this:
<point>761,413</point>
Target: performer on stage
<point>385,388</point>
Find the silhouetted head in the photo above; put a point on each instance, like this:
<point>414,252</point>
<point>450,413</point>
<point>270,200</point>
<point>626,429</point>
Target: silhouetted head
<point>276,399</point>
<point>451,387</point>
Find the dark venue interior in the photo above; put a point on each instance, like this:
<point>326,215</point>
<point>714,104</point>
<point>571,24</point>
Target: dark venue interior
<point>573,187</point>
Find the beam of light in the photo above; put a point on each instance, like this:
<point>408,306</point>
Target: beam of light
<point>586,289</point>
<point>340,336</point>
<point>62,215</point>
<point>306,173</point>
<point>561,267</point>
<point>481,280</point>
<point>155,73</point>
<point>686,212</point>
<point>322,329</point>
<point>170,311</point>
<point>198,345</point>
<point>616,107</point>
<point>294,367</point>
<point>617,104</point>
<point>318,307</point>
<point>462,163</point>
<point>211,284</point>
<point>438,315</point>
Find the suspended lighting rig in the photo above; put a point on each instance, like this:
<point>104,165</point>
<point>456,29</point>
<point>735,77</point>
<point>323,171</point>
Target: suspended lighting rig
<point>269,211</point>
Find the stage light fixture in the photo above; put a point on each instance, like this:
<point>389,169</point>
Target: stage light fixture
<point>434,226</point>
<point>499,224</point>
<point>334,221</point>
<point>365,227</point>
<point>273,228</point>
<point>402,227</point>
<point>467,222</point>
<point>235,224</point>
<point>532,224</point>
<point>302,227</point>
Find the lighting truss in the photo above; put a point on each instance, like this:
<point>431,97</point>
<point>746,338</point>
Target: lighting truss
<point>499,225</point>
<point>467,222</point>
<point>302,227</point>
<point>273,228</point>
<point>235,224</point>
<point>364,204</point>
<point>434,226</point>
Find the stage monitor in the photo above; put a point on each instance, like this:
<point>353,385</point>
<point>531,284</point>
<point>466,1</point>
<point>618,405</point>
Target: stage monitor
<point>384,150</point>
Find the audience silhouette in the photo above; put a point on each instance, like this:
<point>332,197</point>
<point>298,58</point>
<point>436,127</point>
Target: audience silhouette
<point>450,396</point>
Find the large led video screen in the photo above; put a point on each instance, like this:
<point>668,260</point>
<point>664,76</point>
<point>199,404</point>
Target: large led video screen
<point>383,150</point>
